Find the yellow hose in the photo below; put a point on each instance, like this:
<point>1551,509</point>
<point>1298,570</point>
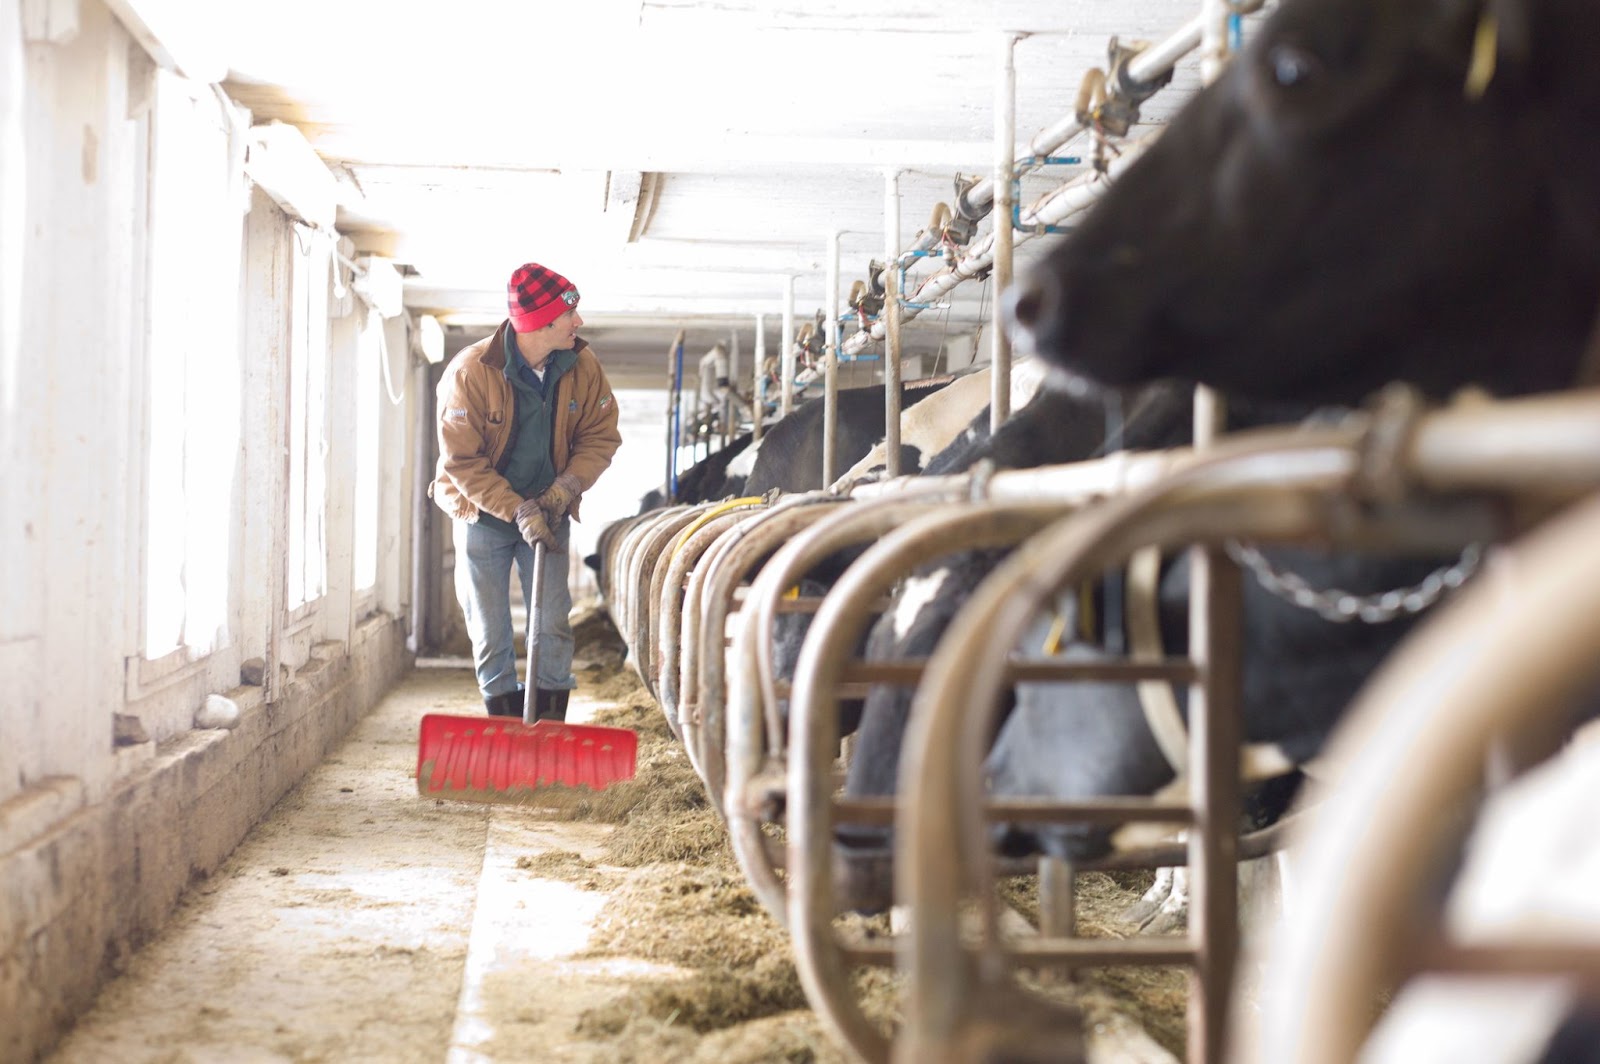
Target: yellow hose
<point>716,511</point>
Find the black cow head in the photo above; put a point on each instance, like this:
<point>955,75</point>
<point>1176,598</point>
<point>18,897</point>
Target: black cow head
<point>1373,190</point>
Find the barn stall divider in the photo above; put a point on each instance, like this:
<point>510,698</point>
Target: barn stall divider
<point>729,767</point>
<point>1501,670</point>
<point>675,598</point>
<point>760,763</point>
<point>770,768</point>
<point>1421,491</point>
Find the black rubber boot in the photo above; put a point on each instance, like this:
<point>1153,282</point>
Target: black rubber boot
<point>552,705</point>
<point>508,704</point>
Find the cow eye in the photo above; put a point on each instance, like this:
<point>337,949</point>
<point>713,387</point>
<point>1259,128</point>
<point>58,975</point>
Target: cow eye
<point>1291,66</point>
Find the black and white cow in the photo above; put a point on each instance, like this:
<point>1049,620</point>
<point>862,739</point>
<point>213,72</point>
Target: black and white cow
<point>717,476</point>
<point>1284,240</point>
<point>1371,190</point>
<point>1083,740</point>
<point>937,422</point>
<point>791,450</point>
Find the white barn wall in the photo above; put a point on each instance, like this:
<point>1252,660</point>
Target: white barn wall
<point>396,473</point>
<point>74,378</point>
<point>98,842</point>
<point>20,583</point>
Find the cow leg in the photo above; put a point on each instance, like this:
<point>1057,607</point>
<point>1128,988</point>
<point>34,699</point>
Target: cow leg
<point>1173,913</point>
<point>1152,900</point>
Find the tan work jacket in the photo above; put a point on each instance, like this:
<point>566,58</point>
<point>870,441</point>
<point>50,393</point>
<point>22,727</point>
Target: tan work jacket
<point>476,411</point>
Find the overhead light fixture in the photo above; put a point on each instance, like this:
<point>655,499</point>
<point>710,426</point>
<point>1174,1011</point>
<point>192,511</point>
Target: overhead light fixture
<point>379,283</point>
<point>429,336</point>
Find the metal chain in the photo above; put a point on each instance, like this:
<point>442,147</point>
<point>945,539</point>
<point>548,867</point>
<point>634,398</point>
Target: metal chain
<point>1340,606</point>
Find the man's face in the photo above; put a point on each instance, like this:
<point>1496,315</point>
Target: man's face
<point>564,330</point>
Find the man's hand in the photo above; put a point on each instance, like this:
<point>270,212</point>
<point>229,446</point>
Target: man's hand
<point>557,498</point>
<point>531,523</point>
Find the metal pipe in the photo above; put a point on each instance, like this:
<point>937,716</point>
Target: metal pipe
<point>906,532</point>
<point>757,379</point>
<point>891,334</point>
<point>1215,619</point>
<point>1214,622</point>
<point>1547,443</point>
<point>1153,62</point>
<point>1005,150</point>
<point>674,403</point>
<point>751,747</point>
<point>786,349</point>
<point>1063,202</point>
<point>1214,16</point>
<point>613,545</point>
<point>679,635</point>
<point>622,605</point>
<point>892,383</point>
<point>1509,658</point>
<point>424,565</point>
<point>732,752</point>
<point>729,409</point>
<point>830,363</point>
<point>656,562</point>
<point>701,691</point>
<point>644,592</point>
<point>1541,445</point>
<point>636,544</point>
<point>952,714</point>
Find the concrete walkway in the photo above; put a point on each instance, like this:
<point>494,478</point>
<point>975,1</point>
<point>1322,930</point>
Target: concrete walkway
<point>362,922</point>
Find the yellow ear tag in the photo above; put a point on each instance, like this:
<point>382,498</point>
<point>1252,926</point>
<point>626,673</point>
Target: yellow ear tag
<point>1052,640</point>
<point>792,593</point>
<point>1484,46</point>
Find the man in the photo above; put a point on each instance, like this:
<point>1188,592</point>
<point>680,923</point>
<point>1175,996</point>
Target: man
<point>527,424</point>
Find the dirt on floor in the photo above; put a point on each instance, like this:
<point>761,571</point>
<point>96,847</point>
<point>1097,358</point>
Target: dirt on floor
<point>361,922</point>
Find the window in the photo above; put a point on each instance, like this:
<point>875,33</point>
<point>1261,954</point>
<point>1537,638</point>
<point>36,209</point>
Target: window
<point>308,420</point>
<point>192,442</point>
<point>370,350</point>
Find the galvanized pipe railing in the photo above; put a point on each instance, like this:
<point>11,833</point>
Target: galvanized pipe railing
<point>645,591</point>
<point>1151,64</point>
<point>678,630</point>
<point>626,575</point>
<point>1508,660</point>
<point>1286,491</point>
<point>747,547</point>
<point>653,562</point>
<point>908,533</point>
<point>743,746</point>
<point>954,708</point>
<point>700,641</point>
<point>756,739</point>
<point>625,608</point>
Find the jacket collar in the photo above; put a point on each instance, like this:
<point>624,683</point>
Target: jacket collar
<point>495,354</point>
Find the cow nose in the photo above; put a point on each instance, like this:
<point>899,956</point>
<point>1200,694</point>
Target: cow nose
<point>1031,301</point>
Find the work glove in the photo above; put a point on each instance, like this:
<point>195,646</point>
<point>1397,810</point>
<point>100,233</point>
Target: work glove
<point>557,498</point>
<point>532,525</point>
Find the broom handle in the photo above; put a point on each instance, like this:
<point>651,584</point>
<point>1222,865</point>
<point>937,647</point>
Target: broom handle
<point>535,620</point>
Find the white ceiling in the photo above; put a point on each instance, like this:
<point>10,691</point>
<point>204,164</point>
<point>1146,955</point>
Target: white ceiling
<point>677,159</point>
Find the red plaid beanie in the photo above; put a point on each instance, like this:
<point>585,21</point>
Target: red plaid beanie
<point>538,296</point>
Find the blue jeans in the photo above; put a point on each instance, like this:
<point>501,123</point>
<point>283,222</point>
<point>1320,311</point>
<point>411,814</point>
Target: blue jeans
<point>483,586</point>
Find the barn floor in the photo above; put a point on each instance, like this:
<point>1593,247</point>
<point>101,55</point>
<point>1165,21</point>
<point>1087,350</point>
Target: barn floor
<point>361,922</point>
